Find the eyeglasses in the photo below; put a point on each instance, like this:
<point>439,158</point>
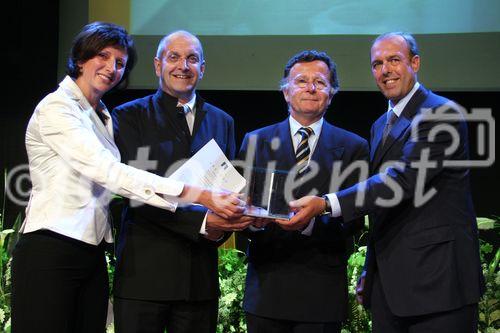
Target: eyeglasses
<point>304,82</point>
<point>174,57</point>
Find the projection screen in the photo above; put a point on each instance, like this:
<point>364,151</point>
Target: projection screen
<point>247,43</point>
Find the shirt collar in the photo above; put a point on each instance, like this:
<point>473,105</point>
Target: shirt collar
<point>400,106</point>
<point>295,126</point>
<point>191,103</point>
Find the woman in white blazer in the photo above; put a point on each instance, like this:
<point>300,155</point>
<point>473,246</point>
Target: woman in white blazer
<point>59,275</point>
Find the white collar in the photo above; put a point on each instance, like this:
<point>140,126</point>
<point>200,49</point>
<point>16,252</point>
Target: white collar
<point>69,85</point>
<point>191,103</point>
<point>400,106</point>
<point>295,126</point>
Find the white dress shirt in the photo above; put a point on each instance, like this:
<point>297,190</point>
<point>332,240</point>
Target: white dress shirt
<point>189,112</point>
<point>397,109</point>
<point>75,165</point>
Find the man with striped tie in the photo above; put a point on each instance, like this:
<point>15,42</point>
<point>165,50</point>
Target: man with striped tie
<point>296,280</point>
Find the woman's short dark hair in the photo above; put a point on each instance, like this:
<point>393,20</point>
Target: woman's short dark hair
<point>92,39</point>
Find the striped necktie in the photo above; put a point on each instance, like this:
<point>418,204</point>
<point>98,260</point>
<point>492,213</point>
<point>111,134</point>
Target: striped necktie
<point>303,150</point>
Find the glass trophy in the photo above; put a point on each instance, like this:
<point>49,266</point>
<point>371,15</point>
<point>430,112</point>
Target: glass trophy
<point>265,194</point>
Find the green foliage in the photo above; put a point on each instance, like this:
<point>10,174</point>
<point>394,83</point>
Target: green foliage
<point>489,306</point>
<point>8,238</point>
<point>232,269</point>
<point>111,271</point>
<point>232,272</point>
<point>358,320</point>
<point>484,223</point>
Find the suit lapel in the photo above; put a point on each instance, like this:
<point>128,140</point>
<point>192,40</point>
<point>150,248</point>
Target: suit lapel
<point>73,91</point>
<point>99,125</point>
<point>399,127</point>
<point>327,151</point>
<point>199,138</point>
<point>201,112</point>
<point>327,145</point>
<point>378,129</point>
<point>167,112</point>
<point>397,130</point>
<point>284,154</point>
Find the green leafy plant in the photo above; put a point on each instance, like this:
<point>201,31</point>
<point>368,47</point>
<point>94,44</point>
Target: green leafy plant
<point>232,272</point>
<point>489,306</point>
<point>8,238</point>
<point>359,319</point>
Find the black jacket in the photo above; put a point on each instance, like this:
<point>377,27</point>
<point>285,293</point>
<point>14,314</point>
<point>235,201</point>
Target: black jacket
<point>426,255</point>
<point>293,276</point>
<point>161,255</point>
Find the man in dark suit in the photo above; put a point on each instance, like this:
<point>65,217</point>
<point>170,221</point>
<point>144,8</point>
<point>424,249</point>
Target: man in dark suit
<point>297,280</point>
<point>422,271</point>
<point>166,272</point>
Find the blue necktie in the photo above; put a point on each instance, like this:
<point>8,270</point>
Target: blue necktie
<point>391,119</point>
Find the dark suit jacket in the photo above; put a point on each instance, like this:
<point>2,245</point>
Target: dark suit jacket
<point>161,255</point>
<point>293,276</point>
<point>427,256</point>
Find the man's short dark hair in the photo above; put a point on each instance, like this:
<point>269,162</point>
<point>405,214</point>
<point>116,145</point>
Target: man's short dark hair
<point>92,39</point>
<point>310,56</point>
<point>409,39</point>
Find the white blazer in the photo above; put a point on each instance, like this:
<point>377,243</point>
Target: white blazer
<point>75,165</point>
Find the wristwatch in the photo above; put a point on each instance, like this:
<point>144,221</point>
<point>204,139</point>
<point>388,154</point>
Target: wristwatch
<point>328,206</point>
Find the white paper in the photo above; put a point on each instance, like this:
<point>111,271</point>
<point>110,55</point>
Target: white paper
<point>210,168</point>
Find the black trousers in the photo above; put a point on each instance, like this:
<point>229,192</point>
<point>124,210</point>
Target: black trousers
<point>59,285</point>
<point>142,316</point>
<point>461,320</point>
<point>258,324</point>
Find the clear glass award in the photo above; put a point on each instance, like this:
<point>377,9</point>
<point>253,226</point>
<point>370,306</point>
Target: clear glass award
<point>265,194</point>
